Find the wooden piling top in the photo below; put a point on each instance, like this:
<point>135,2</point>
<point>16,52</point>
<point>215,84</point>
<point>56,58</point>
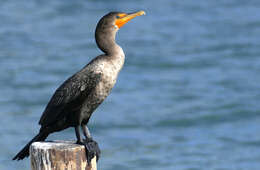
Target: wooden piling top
<point>59,155</point>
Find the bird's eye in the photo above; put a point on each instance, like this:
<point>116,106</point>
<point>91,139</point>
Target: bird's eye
<point>117,17</point>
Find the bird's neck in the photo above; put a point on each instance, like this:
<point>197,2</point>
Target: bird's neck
<point>107,43</point>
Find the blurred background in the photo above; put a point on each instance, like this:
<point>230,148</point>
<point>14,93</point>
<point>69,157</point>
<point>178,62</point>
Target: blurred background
<point>187,98</point>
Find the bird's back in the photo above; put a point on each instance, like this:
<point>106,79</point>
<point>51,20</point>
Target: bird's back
<point>76,99</point>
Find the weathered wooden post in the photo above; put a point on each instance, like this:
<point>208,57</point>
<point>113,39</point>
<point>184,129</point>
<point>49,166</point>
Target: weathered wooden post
<point>59,155</point>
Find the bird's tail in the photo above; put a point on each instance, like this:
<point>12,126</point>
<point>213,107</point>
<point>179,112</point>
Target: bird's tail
<point>25,151</point>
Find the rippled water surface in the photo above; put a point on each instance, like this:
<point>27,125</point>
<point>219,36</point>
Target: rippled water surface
<point>187,98</point>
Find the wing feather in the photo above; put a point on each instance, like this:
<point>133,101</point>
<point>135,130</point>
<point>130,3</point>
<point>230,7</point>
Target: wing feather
<point>70,94</point>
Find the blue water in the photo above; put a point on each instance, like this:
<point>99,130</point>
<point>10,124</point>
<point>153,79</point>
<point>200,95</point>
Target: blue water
<point>187,98</point>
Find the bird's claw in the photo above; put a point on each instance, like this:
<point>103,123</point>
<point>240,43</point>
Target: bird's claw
<point>91,148</point>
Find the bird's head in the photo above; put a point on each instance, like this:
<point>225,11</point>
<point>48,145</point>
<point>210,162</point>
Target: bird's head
<point>115,20</point>
<point>107,27</point>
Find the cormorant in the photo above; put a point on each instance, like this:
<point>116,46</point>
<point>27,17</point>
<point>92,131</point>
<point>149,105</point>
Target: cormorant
<point>76,99</point>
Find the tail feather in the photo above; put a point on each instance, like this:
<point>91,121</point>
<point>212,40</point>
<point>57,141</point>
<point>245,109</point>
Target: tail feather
<point>25,151</point>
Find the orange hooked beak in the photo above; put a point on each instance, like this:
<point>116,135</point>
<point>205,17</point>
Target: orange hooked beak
<point>123,18</point>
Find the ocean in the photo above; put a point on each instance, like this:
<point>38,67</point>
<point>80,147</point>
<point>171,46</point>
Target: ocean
<point>187,97</point>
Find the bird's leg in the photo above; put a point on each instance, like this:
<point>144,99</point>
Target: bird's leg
<point>86,132</point>
<point>77,131</point>
<point>91,146</point>
<point>89,154</point>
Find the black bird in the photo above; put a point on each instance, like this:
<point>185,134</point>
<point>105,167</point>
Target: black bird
<point>76,99</point>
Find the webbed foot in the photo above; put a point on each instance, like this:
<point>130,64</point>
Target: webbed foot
<point>92,149</point>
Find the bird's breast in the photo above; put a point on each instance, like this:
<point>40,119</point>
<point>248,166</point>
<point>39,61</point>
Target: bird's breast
<point>109,71</point>
<point>109,76</point>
